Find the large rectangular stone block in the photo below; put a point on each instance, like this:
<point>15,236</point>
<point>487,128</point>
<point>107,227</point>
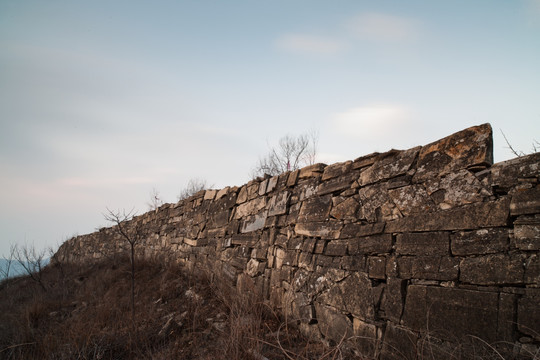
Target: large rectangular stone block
<point>480,242</point>
<point>325,230</point>
<point>375,244</point>
<point>426,243</point>
<point>441,311</point>
<point>474,216</point>
<point>526,202</point>
<point>315,209</point>
<point>497,269</point>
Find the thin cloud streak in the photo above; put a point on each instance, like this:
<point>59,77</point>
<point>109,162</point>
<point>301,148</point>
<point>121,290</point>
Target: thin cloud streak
<point>310,44</point>
<point>380,27</point>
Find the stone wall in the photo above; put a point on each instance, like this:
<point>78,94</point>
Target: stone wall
<point>402,253</point>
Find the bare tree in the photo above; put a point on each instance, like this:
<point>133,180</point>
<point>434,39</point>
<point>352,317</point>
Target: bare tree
<point>5,270</point>
<point>535,146</point>
<point>193,186</point>
<point>132,234</point>
<point>155,200</point>
<point>291,154</point>
<point>32,261</point>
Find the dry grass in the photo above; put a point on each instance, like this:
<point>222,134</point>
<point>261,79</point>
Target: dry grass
<point>85,314</point>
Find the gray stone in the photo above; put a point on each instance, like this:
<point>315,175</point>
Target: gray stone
<point>412,199</point>
<point>376,205</point>
<point>254,223</point>
<point>278,204</point>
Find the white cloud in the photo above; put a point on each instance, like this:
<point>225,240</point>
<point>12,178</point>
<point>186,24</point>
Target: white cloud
<point>383,27</point>
<point>371,121</point>
<point>310,44</point>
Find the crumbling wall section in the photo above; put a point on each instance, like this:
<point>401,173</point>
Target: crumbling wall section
<point>402,253</point>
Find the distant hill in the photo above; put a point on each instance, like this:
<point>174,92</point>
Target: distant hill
<point>16,268</point>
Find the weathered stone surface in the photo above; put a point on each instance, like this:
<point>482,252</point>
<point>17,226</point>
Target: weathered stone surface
<point>506,175</point>
<point>352,295</point>
<point>456,189</point>
<point>293,177</point>
<point>481,215</point>
<point>332,324</point>
<point>427,243</point>
<point>376,205</point>
<point>443,268</point>
<point>497,269</point>
<point>389,165</point>
<point>468,148</point>
<point>325,230</point>
<point>278,204</point>
<point>356,230</point>
<point>412,199</point>
<point>367,338</point>
<point>336,170</point>
<point>526,202</point>
<point>255,267</point>
<point>311,171</point>
<point>244,239</point>
<point>532,270</point>
<point>364,161</point>
<point>445,310</point>
<point>345,209</point>
<point>528,319</point>
<point>527,232</point>
<point>315,209</point>
<point>250,208</point>
<point>254,223</point>
<point>394,299</point>
<point>336,184</point>
<point>375,244</point>
<point>336,248</point>
<point>377,267</point>
<point>399,343</point>
<point>479,242</point>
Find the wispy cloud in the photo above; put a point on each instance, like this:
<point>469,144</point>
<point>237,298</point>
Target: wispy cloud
<point>383,27</point>
<point>371,121</point>
<point>310,44</point>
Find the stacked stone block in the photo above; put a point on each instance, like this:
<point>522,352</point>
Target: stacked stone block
<point>397,253</point>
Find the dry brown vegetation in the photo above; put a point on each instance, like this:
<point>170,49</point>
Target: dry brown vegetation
<point>85,313</point>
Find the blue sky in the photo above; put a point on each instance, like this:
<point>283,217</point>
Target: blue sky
<point>102,101</point>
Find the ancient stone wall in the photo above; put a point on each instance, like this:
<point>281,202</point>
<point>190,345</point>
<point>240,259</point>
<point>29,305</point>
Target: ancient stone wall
<point>406,254</point>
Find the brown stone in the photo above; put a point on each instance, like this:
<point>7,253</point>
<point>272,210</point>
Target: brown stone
<point>336,248</point>
<point>443,268</point>
<point>528,319</point>
<point>278,204</point>
<point>375,244</point>
<point>462,313</point>
<point>250,208</point>
<point>479,242</point>
<point>315,209</point>
<point>366,338</point>
<point>526,202</point>
<point>356,230</point>
<point>311,171</point>
<point>365,161</point>
<point>377,267</point>
<point>336,184</point>
<point>389,165</point>
<point>492,270</point>
<point>456,189</point>
<point>332,324</point>
<point>426,243</point>
<point>480,215</point>
<point>325,230</point>
<point>345,209</point>
<point>254,223</point>
<point>293,177</point>
<point>399,343</point>
<point>352,295</point>
<point>336,170</point>
<point>527,232</point>
<point>394,299</point>
<point>505,175</point>
<point>471,147</point>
